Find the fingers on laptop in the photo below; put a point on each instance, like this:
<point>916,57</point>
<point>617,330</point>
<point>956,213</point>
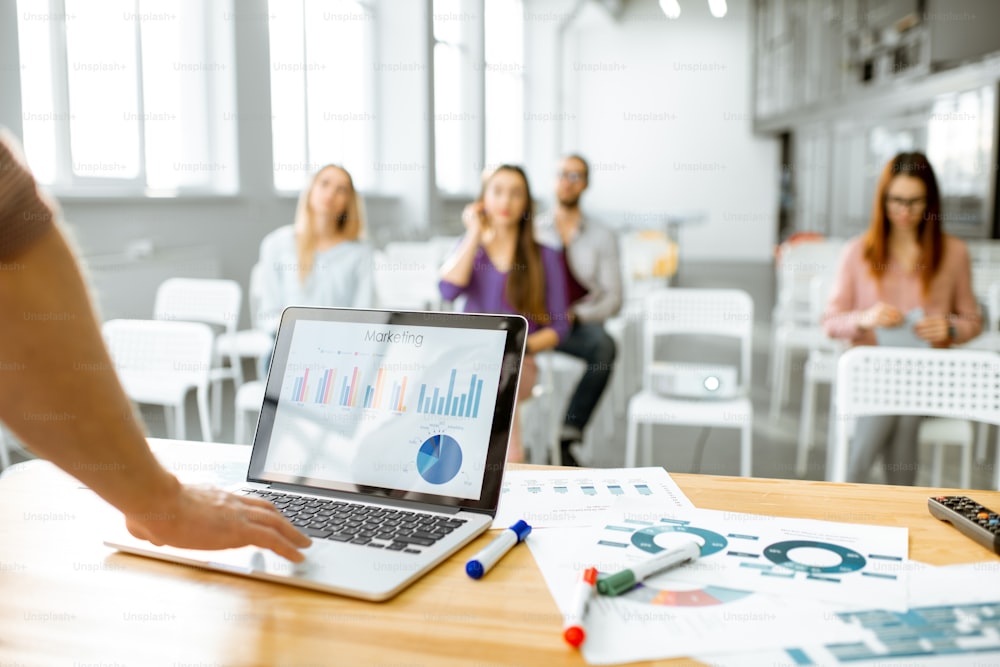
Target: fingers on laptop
<point>263,514</point>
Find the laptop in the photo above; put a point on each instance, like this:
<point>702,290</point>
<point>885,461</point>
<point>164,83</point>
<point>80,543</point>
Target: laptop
<point>383,435</point>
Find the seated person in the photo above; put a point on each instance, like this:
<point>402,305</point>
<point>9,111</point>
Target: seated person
<point>321,259</point>
<point>593,275</point>
<point>903,262</point>
<point>500,268</point>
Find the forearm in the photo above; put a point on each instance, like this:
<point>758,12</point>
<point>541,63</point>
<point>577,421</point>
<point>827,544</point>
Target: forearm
<point>67,404</point>
<point>458,268</point>
<point>541,340</point>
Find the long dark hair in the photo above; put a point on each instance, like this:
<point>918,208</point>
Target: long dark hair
<point>525,290</point>
<point>929,234</point>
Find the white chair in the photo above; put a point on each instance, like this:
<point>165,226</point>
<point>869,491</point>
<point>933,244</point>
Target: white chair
<point>988,340</point>
<point>247,343</point>
<point>406,275</point>
<point>158,362</point>
<point>805,275</point>
<point>4,452</point>
<point>712,312</point>
<point>956,384</point>
<point>249,401</point>
<point>936,433</point>
<point>211,301</point>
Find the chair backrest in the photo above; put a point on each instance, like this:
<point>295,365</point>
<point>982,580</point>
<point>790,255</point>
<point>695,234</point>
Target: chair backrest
<point>149,349</point>
<point>963,384</point>
<point>993,308</point>
<point>255,290</point>
<point>406,275</point>
<point>713,312</point>
<point>984,276</point>
<point>799,264</point>
<point>213,301</point>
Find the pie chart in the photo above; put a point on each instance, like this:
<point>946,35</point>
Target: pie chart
<point>439,459</point>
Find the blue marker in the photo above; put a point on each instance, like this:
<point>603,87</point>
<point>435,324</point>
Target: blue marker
<point>495,550</point>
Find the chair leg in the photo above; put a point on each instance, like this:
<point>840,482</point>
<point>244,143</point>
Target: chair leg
<point>647,444</point>
<point>966,476</point>
<point>938,463</point>
<point>216,420</point>
<point>630,442</point>
<point>168,422</point>
<point>4,453</point>
<point>778,388</point>
<point>806,425</point>
<point>201,396</point>
<point>837,470</point>
<point>239,426</point>
<point>180,421</point>
<point>982,438</point>
<point>746,449</point>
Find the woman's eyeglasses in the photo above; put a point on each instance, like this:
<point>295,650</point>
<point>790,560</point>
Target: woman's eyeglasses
<point>901,203</point>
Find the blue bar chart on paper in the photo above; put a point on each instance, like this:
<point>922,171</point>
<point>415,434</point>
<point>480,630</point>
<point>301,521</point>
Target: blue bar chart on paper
<point>449,400</point>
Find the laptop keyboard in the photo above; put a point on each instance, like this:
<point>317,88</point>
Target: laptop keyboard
<point>356,523</point>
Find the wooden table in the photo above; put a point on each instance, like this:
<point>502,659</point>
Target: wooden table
<point>65,599</point>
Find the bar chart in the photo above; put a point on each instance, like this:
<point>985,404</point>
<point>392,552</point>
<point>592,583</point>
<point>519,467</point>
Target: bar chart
<point>330,386</point>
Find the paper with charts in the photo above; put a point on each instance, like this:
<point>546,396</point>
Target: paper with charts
<point>550,498</point>
<point>954,618</point>
<point>657,620</point>
<point>821,560</point>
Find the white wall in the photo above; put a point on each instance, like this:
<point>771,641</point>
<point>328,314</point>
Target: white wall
<point>662,110</point>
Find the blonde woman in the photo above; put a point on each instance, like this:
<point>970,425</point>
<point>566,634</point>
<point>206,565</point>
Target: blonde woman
<point>320,260</point>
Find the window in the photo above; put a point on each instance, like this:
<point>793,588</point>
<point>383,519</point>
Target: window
<point>478,90</point>
<point>456,109</point>
<point>127,96</point>
<point>321,93</point>
<point>504,82</point>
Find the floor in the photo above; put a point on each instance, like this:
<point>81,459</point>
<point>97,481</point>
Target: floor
<point>774,443</point>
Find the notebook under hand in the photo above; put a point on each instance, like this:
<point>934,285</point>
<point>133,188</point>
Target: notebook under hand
<point>383,435</point>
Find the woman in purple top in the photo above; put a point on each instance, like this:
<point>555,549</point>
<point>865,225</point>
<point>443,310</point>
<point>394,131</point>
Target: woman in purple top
<point>500,268</point>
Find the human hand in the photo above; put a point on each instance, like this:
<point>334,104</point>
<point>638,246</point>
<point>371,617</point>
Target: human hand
<point>881,315</point>
<point>474,217</point>
<point>932,329</point>
<point>202,517</point>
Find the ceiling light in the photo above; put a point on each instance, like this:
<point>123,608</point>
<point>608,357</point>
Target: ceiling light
<point>670,8</point>
<point>718,8</point>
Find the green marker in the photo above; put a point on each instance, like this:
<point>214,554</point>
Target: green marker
<point>624,581</point>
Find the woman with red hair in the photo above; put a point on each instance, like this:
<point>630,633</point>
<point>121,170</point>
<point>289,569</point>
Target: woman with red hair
<point>902,263</point>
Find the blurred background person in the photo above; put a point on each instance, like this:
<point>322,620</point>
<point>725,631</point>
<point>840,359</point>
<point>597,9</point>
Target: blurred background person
<point>904,262</point>
<point>594,280</point>
<point>500,268</point>
<point>321,259</point>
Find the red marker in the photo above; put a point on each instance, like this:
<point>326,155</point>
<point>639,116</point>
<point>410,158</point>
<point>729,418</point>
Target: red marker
<point>573,631</point>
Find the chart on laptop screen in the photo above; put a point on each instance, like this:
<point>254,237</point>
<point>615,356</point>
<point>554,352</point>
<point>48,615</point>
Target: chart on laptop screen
<point>397,406</point>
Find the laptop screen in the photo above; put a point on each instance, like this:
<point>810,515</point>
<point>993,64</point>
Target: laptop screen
<point>405,405</point>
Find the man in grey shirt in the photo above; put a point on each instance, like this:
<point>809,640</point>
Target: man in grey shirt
<point>593,276</point>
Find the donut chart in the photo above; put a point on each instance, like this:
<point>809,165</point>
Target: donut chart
<point>712,542</point>
<point>439,459</point>
<point>707,596</point>
<point>850,560</point>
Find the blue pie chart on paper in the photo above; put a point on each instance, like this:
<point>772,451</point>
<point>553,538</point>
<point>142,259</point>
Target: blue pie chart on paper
<point>439,459</point>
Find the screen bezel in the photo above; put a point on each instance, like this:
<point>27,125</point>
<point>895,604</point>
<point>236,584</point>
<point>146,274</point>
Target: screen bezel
<point>516,328</point>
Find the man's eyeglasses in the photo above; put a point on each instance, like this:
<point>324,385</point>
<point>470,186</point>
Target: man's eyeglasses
<point>901,203</point>
<point>572,176</point>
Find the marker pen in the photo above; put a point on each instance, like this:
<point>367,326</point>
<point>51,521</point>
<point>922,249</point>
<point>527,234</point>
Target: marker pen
<point>573,631</point>
<point>494,551</point>
<point>625,580</point>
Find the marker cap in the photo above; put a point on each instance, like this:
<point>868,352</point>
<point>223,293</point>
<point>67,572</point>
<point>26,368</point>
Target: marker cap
<point>521,529</point>
<point>574,636</point>
<point>617,583</point>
